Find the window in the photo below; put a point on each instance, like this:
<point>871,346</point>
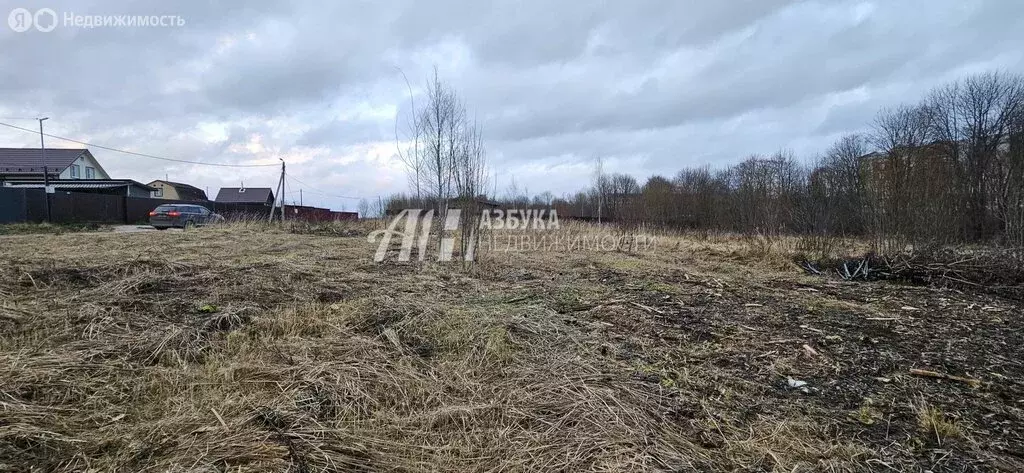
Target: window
<point>159,192</point>
<point>90,173</point>
<point>74,171</point>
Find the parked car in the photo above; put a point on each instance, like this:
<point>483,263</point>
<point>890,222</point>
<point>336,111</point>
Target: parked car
<point>182,216</point>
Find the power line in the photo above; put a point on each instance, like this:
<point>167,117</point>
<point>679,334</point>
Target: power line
<point>325,194</point>
<point>138,154</point>
<point>318,191</point>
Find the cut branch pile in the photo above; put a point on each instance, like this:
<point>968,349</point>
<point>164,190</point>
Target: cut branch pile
<point>998,271</point>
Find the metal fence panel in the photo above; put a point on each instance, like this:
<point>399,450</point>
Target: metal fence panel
<point>12,205</point>
<point>29,205</point>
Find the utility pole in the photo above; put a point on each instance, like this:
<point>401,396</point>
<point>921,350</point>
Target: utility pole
<point>46,173</point>
<point>280,194</point>
<point>300,197</point>
<point>599,185</point>
<point>282,190</point>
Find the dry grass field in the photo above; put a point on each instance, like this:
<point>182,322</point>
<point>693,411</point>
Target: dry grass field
<point>245,348</point>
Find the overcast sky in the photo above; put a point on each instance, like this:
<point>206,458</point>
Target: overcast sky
<point>652,86</point>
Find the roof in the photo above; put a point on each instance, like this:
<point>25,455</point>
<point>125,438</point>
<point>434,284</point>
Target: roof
<point>178,185</point>
<point>29,160</point>
<point>80,184</point>
<point>245,195</point>
<point>184,189</point>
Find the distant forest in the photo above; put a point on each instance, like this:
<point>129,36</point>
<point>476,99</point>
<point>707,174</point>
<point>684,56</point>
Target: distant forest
<point>946,170</point>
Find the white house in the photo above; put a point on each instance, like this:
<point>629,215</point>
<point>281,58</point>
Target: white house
<point>73,170</point>
<point>61,164</point>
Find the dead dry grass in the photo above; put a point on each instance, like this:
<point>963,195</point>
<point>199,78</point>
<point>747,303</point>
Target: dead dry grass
<point>244,348</point>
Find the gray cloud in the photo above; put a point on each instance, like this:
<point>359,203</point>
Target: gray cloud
<point>651,85</point>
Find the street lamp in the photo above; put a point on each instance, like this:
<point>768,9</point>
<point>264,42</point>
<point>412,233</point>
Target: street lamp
<point>46,174</point>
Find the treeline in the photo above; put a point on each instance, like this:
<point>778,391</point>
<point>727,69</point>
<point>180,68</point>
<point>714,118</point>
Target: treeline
<point>949,169</point>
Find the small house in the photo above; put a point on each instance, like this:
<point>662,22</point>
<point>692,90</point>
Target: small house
<point>245,195</point>
<point>169,190</point>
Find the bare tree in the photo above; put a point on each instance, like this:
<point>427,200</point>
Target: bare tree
<point>1012,210</point>
<point>435,122</point>
<point>600,185</point>
<point>446,159</point>
<point>658,202</point>
<point>971,120</point>
<point>620,200</point>
<point>470,162</point>
<point>364,208</point>
<point>900,135</point>
<point>701,196</point>
<point>411,157</point>
<point>515,196</point>
<point>470,176</point>
<point>838,189</point>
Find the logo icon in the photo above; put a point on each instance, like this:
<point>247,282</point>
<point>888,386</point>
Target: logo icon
<point>40,20</point>
<point>20,20</point>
